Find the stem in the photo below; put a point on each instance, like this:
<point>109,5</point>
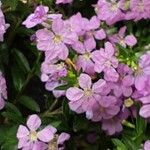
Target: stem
<point>29,76</point>
<point>54,104</point>
<point>56,112</point>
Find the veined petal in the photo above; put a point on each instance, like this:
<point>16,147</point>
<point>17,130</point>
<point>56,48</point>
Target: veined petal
<point>74,94</point>
<point>33,122</point>
<point>22,132</point>
<point>85,81</point>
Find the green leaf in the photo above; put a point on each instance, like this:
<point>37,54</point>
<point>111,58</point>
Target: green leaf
<point>21,60</point>
<point>10,141</point>
<point>62,87</point>
<point>12,116</point>
<point>140,124</point>
<point>80,123</point>
<point>11,3</point>
<point>29,103</point>
<point>18,77</point>
<point>119,144</point>
<point>12,108</point>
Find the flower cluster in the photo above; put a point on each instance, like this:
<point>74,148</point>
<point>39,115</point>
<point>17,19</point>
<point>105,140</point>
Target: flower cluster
<point>32,138</point>
<point>142,84</point>
<point>107,88</point>
<point>113,11</point>
<point>3,91</point>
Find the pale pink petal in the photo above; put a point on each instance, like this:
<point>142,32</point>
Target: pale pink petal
<point>85,81</point>
<point>74,94</point>
<point>145,100</point>
<point>22,132</point>
<point>140,82</point>
<point>99,67</point>
<point>90,44</point>
<point>47,134</point>
<point>76,106</point>
<point>145,111</point>
<point>130,40</point>
<point>109,49</point>
<point>122,31</point>
<point>99,86</point>
<point>100,34</point>
<point>62,138</point>
<point>23,142</point>
<point>33,122</point>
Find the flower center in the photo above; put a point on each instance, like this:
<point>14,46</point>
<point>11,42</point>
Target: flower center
<point>81,39</point>
<point>57,39</point>
<point>139,71</point>
<point>101,109</point>
<point>88,92</point>
<point>121,41</point>
<point>60,66</point>
<point>108,63</point>
<point>141,6</point>
<point>90,33</point>
<point>33,136</point>
<point>114,7</point>
<point>128,102</point>
<point>87,56</point>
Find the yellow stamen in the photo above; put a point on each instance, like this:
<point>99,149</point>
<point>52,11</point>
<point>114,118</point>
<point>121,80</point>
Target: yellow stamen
<point>128,102</point>
<point>57,39</point>
<point>88,92</point>
<point>87,56</point>
<point>33,136</point>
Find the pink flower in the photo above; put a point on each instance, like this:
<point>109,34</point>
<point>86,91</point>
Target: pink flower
<point>52,71</point>
<point>29,138</point>
<point>75,24</point>
<point>63,1</point>
<point>51,74</point>
<point>112,126</point>
<point>123,87</point>
<point>106,61</point>
<point>3,25</point>
<point>3,91</point>
<point>38,17</point>
<point>139,9</point>
<point>147,145</point>
<point>109,11</point>
<point>105,108</point>
<point>55,42</point>
<point>82,99</point>
<point>123,40</point>
<point>84,60</point>
<point>142,73</point>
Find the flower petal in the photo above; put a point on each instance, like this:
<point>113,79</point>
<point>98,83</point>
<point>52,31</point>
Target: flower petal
<point>47,134</point>
<point>130,40</point>
<point>62,138</point>
<point>145,111</point>
<point>98,86</point>
<point>74,94</point>
<point>34,122</point>
<point>85,81</point>
<point>22,132</point>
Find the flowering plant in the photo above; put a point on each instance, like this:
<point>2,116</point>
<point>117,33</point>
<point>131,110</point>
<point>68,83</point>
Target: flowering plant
<point>74,74</point>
